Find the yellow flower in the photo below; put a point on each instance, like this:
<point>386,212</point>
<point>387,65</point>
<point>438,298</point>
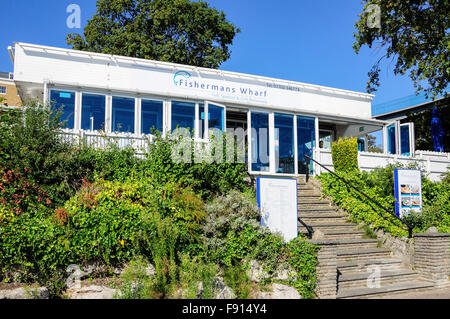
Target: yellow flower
<point>122,242</point>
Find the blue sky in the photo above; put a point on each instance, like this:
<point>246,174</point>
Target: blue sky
<point>299,40</point>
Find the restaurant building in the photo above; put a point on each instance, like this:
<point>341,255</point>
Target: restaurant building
<point>127,97</point>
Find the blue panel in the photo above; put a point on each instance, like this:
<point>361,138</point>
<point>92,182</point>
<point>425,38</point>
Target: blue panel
<point>260,141</point>
<point>215,117</point>
<point>64,102</point>
<point>284,143</point>
<point>306,141</point>
<point>151,116</point>
<point>183,115</point>
<point>93,112</point>
<point>201,124</point>
<point>122,114</point>
<point>361,144</point>
<point>396,193</point>
<point>404,140</point>
<point>391,139</point>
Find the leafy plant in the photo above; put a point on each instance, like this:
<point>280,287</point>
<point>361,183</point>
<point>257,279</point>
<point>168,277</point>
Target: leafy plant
<point>303,259</point>
<point>345,154</point>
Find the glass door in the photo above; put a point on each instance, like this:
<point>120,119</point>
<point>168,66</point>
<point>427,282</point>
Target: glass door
<point>407,139</point>
<point>259,141</point>
<point>306,141</point>
<point>284,143</point>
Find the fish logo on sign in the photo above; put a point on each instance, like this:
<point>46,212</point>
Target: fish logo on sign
<point>183,74</point>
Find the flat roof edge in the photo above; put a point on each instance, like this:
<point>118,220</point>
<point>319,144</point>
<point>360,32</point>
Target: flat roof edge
<point>222,73</point>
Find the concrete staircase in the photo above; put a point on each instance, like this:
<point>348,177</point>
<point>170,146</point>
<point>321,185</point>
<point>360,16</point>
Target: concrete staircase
<point>359,259</point>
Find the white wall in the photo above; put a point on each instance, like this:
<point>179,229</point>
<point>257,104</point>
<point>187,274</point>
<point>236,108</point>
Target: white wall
<point>432,163</point>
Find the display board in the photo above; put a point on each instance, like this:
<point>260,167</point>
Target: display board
<point>408,191</point>
<point>277,201</point>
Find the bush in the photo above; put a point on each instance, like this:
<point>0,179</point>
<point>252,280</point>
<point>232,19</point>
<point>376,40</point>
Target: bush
<point>303,259</point>
<point>345,154</point>
<point>379,185</point>
<point>206,179</point>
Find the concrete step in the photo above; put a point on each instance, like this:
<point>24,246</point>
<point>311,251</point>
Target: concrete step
<point>308,192</point>
<point>308,201</point>
<point>325,207</point>
<point>361,265</point>
<point>329,226</point>
<point>365,279</point>
<point>357,243</point>
<point>354,243</point>
<point>317,210</point>
<point>362,254</point>
<point>323,218</point>
<point>386,290</point>
<point>343,234</point>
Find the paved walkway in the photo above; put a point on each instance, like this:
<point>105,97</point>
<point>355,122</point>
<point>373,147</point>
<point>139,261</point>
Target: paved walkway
<point>431,294</point>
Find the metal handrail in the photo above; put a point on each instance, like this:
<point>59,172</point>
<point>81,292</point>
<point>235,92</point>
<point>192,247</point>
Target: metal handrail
<point>308,228</point>
<point>410,228</point>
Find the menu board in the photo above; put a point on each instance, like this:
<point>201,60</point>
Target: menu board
<point>277,201</point>
<point>408,191</point>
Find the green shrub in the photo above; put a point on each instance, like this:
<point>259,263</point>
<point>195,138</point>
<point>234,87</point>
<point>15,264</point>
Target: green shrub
<point>379,185</point>
<point>206,179</point>
<point>193,271</point>
<point>345,154</point>
<point>303,259</point>
<point>237,279</point>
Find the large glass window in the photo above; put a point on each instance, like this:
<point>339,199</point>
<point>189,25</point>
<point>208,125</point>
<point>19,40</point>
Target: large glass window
<point>93,112</point>
<point>284,143</point>
<point>122,114</point>
<point>306,141</point>
<point>65,102</point>
<point>151,116</point>
<point>183,115</point>
<point>260,141</point>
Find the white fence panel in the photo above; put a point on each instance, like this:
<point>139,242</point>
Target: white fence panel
<point>434,164</point>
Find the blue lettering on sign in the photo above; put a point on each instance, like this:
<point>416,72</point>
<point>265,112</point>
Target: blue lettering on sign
<point>183,79</point>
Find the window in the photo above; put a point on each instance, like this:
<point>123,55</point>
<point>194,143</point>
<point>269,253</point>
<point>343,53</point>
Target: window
<point>93,112</point>
<point>65,102</point>
<point>122,114</point>
<point>215,117</point>
<point>183,115</point>
<point>151,116</point>
<point>260,141</point>
<point>2,89</point>
<point>306,141</point>
<point>284,143</point>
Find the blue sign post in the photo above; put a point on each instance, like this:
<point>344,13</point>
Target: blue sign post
<point>408,191</point>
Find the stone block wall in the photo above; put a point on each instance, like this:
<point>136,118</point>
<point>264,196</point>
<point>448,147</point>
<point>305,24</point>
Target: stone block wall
<point>432,257</point>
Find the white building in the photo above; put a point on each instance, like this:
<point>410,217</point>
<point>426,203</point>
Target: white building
<point>126,97</point>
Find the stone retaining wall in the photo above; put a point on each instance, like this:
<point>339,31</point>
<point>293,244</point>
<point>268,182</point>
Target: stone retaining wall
<point>432,257</point>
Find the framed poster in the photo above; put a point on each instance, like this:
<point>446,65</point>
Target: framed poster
<point>408,191</point>
<point>277,201</point>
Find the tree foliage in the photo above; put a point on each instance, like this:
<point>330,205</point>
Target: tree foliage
<point>176,31</point>
<point>415,35</point>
